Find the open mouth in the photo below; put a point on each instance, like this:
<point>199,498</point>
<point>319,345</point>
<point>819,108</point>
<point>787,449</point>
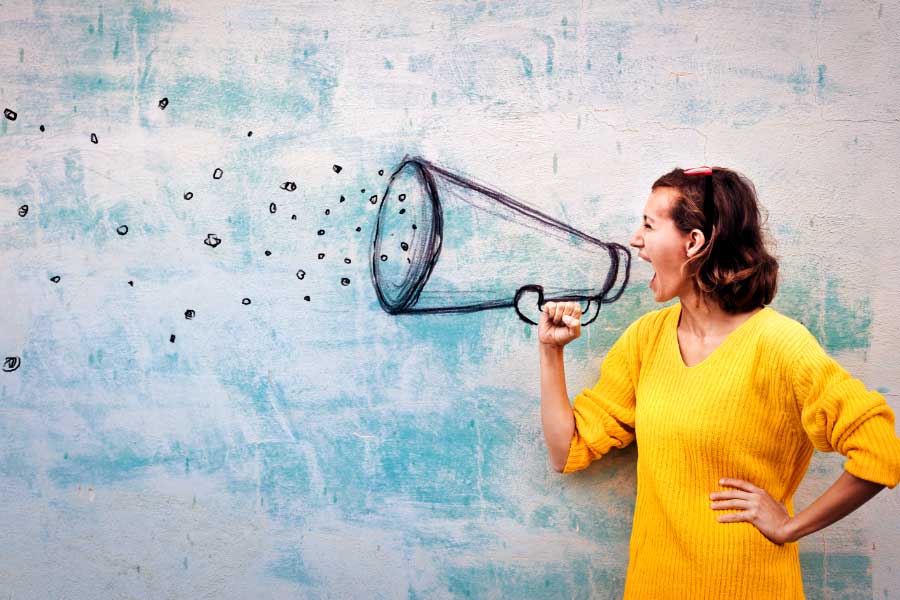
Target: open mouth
<point>653,278</point>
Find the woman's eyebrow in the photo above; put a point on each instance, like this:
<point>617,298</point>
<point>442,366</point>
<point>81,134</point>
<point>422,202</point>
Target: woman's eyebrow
<point>646,218</point>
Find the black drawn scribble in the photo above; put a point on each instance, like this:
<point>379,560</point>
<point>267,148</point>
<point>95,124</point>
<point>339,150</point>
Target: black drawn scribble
<point>163,103</point>
<point>172,338</point>
<point>217,174</point>
<point>249,133</point>
<point>23,210</point>
<point>345,281</point>
<point>212,241</point>
<point>55,279</point>
<point>272,208</point>
<point>11,363</point>
<point>537,260</point>
<point>188,195</point>
<point>189,314</point>
<point>289,186</point>
<point>122,229</point>
<point>337,168</point>
<point>245,301</point>
<point>10,114</point>
<point>94,138</point>
<point>131,283</point>
<point>42,128</point>
<point>301,274</point>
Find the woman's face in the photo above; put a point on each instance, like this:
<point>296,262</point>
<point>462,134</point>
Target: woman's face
<point>661,244</point>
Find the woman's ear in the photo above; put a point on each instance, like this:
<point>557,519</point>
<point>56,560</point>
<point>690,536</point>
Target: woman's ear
<point>695,242</point>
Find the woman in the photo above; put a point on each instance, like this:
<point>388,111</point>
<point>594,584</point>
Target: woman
<point>727,399</point>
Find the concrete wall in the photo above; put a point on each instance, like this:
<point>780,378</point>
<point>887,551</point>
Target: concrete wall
<point>324,448</point>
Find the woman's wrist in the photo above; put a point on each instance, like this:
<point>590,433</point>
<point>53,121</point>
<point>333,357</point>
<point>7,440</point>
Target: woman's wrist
<point>550,349</point>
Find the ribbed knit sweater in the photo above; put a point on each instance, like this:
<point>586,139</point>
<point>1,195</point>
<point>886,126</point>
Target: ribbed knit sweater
<point>754,409</point>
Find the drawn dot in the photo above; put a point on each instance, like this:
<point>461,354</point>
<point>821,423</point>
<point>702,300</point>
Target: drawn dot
<point>362,191</point>
<point>301,274</point>
<point>321,232</point>
<point>381,171</point>
<point>189,314</point>
<point>404,245</point>
<point>217,174</point>
<point>321,255</point>
<point>342,199</point>
<point>42,128</point>
<point>163,103</point>
<point>327,211</point>
<point>131,283</point>
<point>272,208</point>
<point>359,228</point>
<point>337,168</point>
<point>249,133</point>
<point>383,257</point>
<point>10,114</point>
<point>11,363</point>
<point>122,229</point>
<point>188,195</point>
<point>289,186</point>
<point>402,197</point>
<point>172,338</point>
<point>94,138</point>
<point>55,279</point>
<point>23,210</point>
<point>345,281</point>
<point>245,301</point>
<point>374,199</point>
<point>268,253</point>
<point>293,217</point>
<point>414,226</point>
<point>347,261</point>
<point>306,298</point>
<point>402,211</point>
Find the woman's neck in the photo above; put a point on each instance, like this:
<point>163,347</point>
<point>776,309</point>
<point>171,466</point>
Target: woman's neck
<point>705,318</point>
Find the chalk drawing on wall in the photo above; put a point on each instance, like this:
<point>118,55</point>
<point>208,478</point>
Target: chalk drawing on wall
<point>434,226</point>
<point>11,363</point>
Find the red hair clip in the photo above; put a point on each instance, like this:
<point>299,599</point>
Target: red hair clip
<point>698,171</point>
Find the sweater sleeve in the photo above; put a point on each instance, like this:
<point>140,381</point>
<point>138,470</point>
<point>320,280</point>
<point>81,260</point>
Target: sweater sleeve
<point>604,414</point>
<point>839,414</point>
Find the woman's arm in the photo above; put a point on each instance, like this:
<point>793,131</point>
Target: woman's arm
<point>768,515</point>
<point>556,413</point>
<point>847,494</point>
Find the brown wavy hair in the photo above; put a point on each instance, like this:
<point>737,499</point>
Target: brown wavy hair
<point>733,268</point>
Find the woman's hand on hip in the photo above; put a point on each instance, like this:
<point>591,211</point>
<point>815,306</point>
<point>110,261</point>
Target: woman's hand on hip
<point>769,516</point>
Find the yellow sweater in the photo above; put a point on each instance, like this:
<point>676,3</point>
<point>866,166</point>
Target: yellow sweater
<point>754,409</point>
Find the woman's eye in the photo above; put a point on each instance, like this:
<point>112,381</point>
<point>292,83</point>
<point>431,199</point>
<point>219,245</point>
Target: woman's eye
<point>646,225</point>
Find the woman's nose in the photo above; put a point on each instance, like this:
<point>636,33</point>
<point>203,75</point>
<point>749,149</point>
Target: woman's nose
<point>636,239</point>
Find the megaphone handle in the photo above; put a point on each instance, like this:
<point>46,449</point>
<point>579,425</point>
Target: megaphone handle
<point>584,313</point>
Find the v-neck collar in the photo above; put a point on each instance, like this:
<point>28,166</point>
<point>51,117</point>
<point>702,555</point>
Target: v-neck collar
<point>720,349</point>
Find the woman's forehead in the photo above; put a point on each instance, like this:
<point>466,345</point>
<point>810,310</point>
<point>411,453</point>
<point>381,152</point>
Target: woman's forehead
<point>659,203</point>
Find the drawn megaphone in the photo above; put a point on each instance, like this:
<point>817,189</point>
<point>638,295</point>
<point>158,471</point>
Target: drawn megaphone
<point>446,244</point>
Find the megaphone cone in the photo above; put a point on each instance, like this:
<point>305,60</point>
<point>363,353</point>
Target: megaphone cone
<point>444,244</point>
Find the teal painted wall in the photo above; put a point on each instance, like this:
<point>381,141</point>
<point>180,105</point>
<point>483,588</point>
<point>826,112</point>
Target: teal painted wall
<point>322,448</point>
